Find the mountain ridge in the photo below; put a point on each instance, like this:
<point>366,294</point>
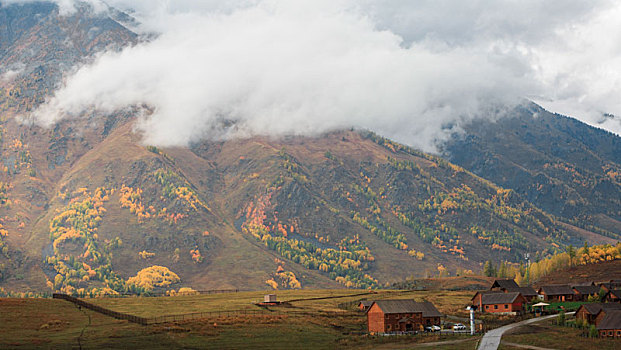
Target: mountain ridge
<point>85,205</point>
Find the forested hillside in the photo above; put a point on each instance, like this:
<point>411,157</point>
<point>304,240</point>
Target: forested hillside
<point>87,208</point>
<point>560,164</point>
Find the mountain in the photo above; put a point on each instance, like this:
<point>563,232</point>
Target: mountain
<point>86,208</point>
<point>560,164</point>
<point>39,45</point>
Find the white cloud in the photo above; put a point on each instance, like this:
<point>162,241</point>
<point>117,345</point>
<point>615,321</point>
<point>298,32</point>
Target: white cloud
<point>9,74</point>
<point>409,70</point>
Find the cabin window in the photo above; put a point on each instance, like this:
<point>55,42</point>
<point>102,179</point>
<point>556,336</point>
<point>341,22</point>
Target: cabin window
<point>495,306</point>
<point>618,333</point>
<point>506,306</point>
<point>487,306</point>
<point>388,327</point>
<point>610,333</point>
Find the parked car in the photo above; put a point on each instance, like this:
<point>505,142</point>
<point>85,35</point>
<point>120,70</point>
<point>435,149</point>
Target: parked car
<point>459,327</point>
<point>435,328</point>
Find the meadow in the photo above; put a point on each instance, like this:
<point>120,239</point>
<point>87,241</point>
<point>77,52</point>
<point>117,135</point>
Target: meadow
<point>310,319</point>
<point>548,335</point>
<point>305,322</point>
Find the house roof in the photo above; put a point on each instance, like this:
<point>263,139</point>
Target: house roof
<point>429,310</point>
<point>594,308</point>
<point>587,290</point>
<point>608,285</point>
<point>615,292</point>
<point>525,291</point>
<point>402,306</point>
<point>499,298</point>
<point>612,320</point>
<point>559,289</point>
<point>483,292</point>
<point>587,283</point>
<point>505,283</point>
<point>366,303</point>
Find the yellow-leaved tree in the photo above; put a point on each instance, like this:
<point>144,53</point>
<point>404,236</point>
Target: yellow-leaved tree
<point>154,276</point>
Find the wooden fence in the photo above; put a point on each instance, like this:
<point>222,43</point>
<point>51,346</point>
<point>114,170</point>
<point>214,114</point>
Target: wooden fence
<point>101,310</point>
<point>332,297</point>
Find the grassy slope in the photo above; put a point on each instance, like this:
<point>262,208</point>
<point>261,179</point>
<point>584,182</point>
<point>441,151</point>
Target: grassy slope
<point>446,301</point>
<point>546,335</point>
<point>599,272</point>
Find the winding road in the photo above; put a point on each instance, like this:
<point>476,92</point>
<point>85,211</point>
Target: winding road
<point>491,339</point>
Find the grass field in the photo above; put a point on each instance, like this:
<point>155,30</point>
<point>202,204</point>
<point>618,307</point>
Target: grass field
<point>50,323</point>
<point>448,302</point>
<point>547,335</point>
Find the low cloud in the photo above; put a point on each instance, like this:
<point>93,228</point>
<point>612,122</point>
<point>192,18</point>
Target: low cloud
<point>411,71</point>
<point>10,74</point>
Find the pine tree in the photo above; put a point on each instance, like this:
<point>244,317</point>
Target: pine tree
<point>585,249</point>
<point>572,254</point>
<point>488,269</point>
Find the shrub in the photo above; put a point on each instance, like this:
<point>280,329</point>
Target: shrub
<point>561,318</point>
<point>593,331</point>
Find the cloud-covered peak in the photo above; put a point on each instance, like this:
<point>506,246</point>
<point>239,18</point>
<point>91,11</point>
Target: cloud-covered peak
<point>413,71</point>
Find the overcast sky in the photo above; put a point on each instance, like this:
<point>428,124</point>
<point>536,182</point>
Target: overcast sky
<point>411,70</point>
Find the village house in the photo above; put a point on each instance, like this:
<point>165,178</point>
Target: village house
<point>499,302</point>
<point>610,285</point>
<point>477,299</point>
<point>364,305</point>
<point>509,285</point>
<point>613,296</point>
<point>431,315</point>
<point>553,293</point>
<point>503,285</point>
<point>610,324</point>
<point>528,293</point>
<point>390,316</point>
<point>606,286</point>
<point>588,312</point>
<point>582,293</point>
